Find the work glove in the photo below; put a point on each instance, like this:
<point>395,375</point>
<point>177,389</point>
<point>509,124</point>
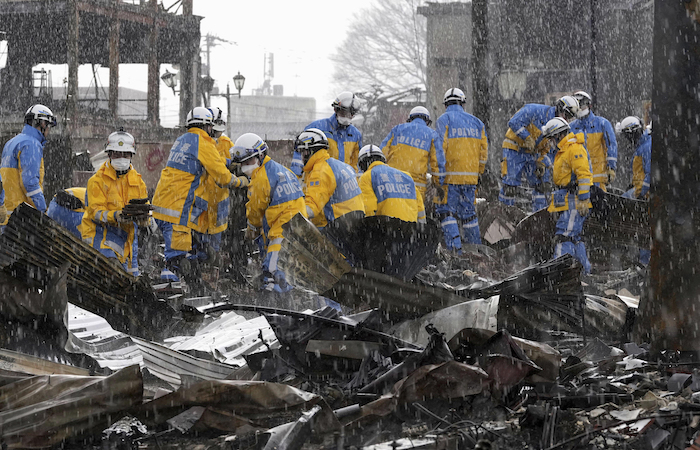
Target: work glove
<point>611,176</point>
<point>529,144</point>
<point>245,182</point>
<point>137,211</point>
<point>440,191</point>
<point>582,208</point>
<point>235,168</point>
<point>297,164</point>
<point>251,233</point>
<point>120,217</point>
<point>3,213</point>
<point>539,169</point>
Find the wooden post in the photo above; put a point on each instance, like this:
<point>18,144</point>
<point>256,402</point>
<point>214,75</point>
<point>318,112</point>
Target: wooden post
<point>114,63</point>
<point>669,316</point>
<point>153,96</point>
<point>73,62</point>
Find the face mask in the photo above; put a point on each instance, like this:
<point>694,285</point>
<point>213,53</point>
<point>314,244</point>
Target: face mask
<point>344,121</point>
<point>249,168</point>
<point>582,113</point>
<point>121,164</point>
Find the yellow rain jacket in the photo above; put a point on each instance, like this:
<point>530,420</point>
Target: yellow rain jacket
<point>390,192</point>
<point>181,196</point>
<point>274,197</point>
<point>410,147</point>
<point>464,146</point>
<point>219,203</point>
<point>571,174</point>
<point>107,194</point>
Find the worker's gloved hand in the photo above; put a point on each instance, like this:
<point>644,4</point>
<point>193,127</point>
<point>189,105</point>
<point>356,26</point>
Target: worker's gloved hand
<point>440,191</point>
<point>120,217</point>
<point>242,183</point>
<point>530,144</point>
<point>611,176</point>
<point>3,213</point>
<point>582,208</point>
<point>137,211</point>
<point>297,164</point>
<point>545,187</point>
<point>251,233</point>
<point>539,169</point>
<point>235,168</point>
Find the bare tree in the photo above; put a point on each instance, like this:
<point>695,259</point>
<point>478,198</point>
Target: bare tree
<point>384,51</point>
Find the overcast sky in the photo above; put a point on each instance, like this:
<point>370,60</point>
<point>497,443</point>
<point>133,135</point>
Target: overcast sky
<point>302,35</point>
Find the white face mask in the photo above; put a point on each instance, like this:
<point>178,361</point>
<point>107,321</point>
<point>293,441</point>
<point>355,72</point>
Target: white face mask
<point>249,168</point>
<point>582,113</point>
<point>121,164</point>
<point>345,121</point>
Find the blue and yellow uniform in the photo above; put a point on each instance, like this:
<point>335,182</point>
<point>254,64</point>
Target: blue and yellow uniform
<point>69,213</point>
<point>411,147</point>
<point>641,168</point>
<point>463,145</point>
<point>330,189</point>
<point>3,211</point>
<point>274,197</point>
<point>22,170</point>
<point>182,197</point>
<point>108,194</point>
<point>572,179</point>
<point>344,142</point>
<point>600,141</point>
<point>517,162</point>
<point>390,192</point>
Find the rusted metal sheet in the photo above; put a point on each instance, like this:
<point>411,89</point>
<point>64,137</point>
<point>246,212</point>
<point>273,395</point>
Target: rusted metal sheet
<point>32,244</point>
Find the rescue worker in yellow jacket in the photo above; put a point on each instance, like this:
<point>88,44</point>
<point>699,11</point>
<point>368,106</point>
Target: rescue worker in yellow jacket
<point>571,174</point>
<point>463,146</point>
<point>344,139</point>
<point>410,147</point>
<point>22,166</point>
<point>67,208</point>
<point>387,191</point>
<point>110,223</point>
<point>181,199</point>
<point>599,140</point>
<point>274,197</point>
<point>3,210</point>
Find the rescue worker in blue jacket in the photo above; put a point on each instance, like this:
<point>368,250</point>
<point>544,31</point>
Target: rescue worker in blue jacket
<point>410,147</point>
<point>599,140</point>
<point>181,199</point>
<point>571,202</point>
<point>463,146</point>
<point>387,191</point>
<point>22,167</point>
<point>67,208</point>
<point>109,223</point>
<point>274,197</point>
<point>525,155</point>
<point>631,127</point>
<point>344,139</point>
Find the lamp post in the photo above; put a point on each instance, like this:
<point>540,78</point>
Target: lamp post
<point>170,80</point>
<point>239,81</point>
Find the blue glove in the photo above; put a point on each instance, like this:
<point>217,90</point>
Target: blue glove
<point>297,164</point>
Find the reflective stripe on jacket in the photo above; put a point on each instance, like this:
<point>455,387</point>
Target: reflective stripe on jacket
<point>274,197</point>
<point>462,144</point>
<point>22,170</point>
<point>390,192</point>
<point>106,195</point>
<point>571,174</point>
<point>600,141</point>
<point>410,147</point>
<point>528,121</point>
<point>641,166</point>
<point>330,186</point>
<point>344,143</point>
<point>180,197</point>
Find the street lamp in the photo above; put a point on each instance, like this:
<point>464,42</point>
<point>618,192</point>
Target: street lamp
<point>170,80</point>
<point>239,81</point>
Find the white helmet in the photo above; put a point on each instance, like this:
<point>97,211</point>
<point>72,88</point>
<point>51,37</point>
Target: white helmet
<point>199,116</point>
<point>420,112</point>
<point>554,127</point>
<point>583,98</point>
<point>629,124</point>
<point>367,152</point>
<point>311,139</point>
<point>218,116</point>
<point>40,112</point>
<point>347,101</point>
<point>121,141</point>
<point>454,95</point>
<point>248,146</point>
<point>568,106</point>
